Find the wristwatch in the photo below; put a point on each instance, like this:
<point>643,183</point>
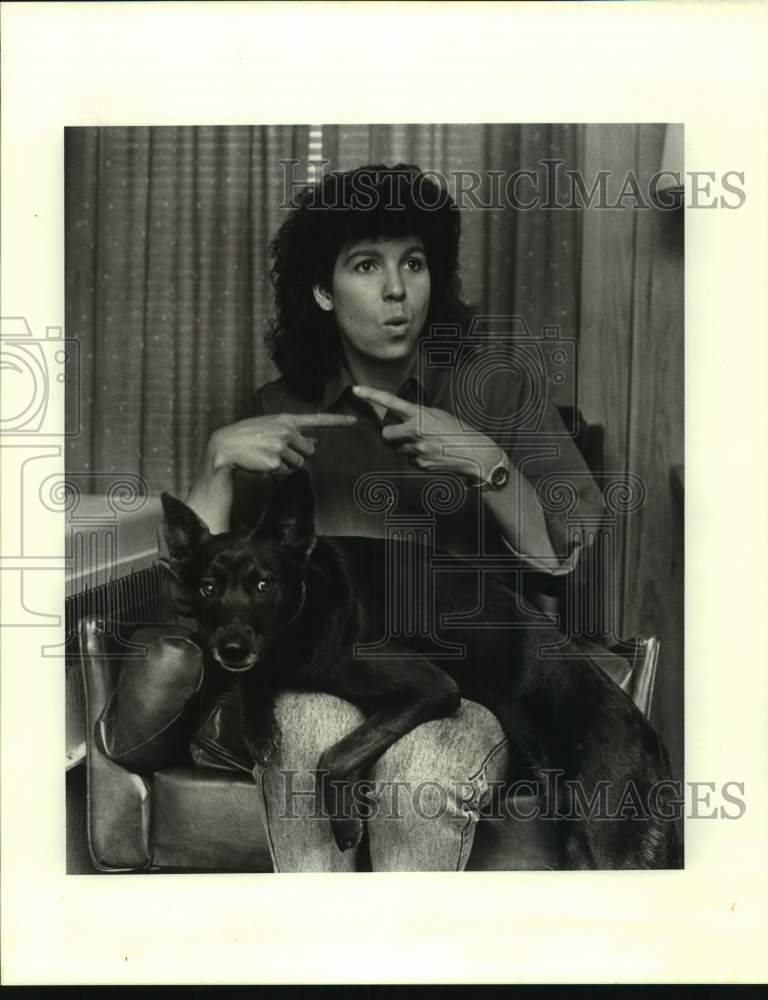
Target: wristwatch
<point>496,479</point>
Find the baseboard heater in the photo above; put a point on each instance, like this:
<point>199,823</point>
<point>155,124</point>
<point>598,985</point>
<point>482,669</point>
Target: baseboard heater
<point>112,572</point>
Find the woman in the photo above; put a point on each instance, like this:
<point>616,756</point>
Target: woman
<point>366,271</point>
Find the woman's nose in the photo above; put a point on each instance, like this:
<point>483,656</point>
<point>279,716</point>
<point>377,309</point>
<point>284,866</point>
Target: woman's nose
<point>394,288</point>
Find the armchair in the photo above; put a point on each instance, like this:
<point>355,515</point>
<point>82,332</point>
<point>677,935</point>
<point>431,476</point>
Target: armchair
<point>189,817</point>
<point>211,818</point>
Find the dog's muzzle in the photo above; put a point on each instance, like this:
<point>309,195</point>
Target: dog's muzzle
<point>237,648</point>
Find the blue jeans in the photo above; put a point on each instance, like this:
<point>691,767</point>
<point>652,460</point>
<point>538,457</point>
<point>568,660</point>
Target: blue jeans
<point>424,794</point>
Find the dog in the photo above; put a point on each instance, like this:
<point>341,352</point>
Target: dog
<point>283,608</point>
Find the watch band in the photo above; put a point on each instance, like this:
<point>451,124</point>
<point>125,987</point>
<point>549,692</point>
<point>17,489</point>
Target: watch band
<point>496,479</point>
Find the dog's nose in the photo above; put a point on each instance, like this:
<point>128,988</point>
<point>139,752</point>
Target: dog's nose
<point>235,646</point>
<point>234,649</point>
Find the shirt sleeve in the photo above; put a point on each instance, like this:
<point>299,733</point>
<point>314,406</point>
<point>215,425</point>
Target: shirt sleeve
<point>544,451</point>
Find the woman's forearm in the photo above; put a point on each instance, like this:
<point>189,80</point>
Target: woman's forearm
<point>272,445</point>
<point>211,494</point>
<point>521,520</point>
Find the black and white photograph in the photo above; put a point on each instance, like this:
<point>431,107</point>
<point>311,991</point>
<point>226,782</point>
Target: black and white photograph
<point>382,493</point>
<point>377,499</point>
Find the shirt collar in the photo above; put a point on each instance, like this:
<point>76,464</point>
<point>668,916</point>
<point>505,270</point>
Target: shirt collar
<point>341,381</point>
<point>335,387</point>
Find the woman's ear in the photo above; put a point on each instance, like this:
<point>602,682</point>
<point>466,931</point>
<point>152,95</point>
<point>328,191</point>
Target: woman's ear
<point>323,298</point>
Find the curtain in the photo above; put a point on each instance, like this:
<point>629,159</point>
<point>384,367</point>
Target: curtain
<point>513,262</point>
<point>167,286</point>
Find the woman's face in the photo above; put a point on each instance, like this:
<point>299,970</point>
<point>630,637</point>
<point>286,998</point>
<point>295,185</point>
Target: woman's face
<point>379,296</point>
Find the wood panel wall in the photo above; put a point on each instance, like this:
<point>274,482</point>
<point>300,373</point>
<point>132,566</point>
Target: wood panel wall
<point>631,380</point>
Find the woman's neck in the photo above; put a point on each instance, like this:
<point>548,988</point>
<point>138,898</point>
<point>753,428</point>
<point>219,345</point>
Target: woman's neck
<point>386,375</point>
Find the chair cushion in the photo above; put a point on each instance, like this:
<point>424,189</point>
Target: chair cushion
<point>206,820</point>
<point>218,742</point>
<point>146,724</point>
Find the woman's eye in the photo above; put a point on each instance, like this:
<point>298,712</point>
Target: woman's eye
<point>208,589</point>
<point>414,264</point>
<point>365,266</point>
<point>264,585</point>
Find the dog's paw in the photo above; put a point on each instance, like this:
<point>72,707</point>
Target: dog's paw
<point>262,747</point>
<point>266,750</point>
<point>347,832</point>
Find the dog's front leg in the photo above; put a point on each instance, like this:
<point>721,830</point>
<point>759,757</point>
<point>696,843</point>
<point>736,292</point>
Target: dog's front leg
<point>399,695</point>
<point>261,732</point>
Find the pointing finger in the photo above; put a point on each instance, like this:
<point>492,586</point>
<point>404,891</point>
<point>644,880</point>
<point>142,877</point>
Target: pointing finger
<point>300,420</point>
<point>399,406</point>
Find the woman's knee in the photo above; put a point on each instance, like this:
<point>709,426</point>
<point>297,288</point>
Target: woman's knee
<point>460,757</point>
<point>310,722</point>
<point>298,830</point>
<point>430,788</point>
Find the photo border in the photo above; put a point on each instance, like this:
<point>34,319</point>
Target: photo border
<point>134,63</point>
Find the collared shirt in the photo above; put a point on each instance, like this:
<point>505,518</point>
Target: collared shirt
<point>363,486</point>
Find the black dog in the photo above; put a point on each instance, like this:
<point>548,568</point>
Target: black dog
<point>284,609</point>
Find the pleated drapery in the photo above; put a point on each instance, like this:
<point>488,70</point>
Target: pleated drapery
<point>167,287</point>
<point>521,262</point>
<point>168,290</point>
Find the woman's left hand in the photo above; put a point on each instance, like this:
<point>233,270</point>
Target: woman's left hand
<point>434,440</point>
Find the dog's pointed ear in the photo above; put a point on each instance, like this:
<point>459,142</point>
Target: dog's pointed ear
<point>174,590</point>
<point>290,516</point>
<point>182,528</point>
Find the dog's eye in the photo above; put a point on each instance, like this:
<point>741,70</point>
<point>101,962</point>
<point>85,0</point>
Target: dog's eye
<point>264,585</point>
<point>208,589</point>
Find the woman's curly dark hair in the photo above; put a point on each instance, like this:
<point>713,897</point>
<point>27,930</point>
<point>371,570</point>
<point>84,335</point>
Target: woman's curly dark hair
<point>370,202</point>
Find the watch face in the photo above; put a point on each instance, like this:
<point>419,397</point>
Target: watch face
<point>499,477</point>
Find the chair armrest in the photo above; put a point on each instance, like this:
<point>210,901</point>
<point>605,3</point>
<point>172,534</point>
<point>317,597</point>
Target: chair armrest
<point>119,802</point>
<point>644,673</point>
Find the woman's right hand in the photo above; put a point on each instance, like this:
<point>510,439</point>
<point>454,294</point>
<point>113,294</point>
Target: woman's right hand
<point>274,444</point>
